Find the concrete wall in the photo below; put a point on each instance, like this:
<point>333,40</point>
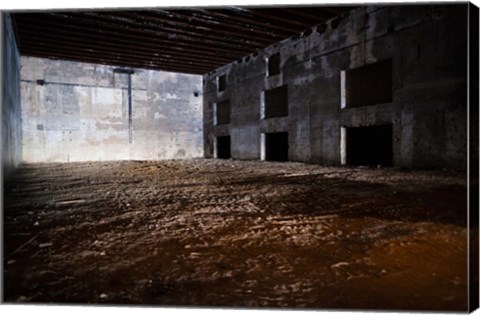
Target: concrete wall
<point>11,120</point>
<point>79,112</point>
<point>427,45</point>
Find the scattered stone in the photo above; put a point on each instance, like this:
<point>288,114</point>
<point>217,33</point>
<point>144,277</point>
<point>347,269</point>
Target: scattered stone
<point>69,202</point>
<point>11,261</point>
<point>22,298</point>
<point>340,264</point>
<point>36,223</point>
<point>225,220</point>
<point>43,245</point>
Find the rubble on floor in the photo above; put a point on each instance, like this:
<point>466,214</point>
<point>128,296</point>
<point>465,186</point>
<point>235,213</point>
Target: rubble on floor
<point>235,233</point>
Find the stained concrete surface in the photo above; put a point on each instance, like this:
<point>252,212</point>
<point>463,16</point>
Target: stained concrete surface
<point>75,111</point>
<point>233,233</point>
<point>427,107</point>
<point>11,117</point>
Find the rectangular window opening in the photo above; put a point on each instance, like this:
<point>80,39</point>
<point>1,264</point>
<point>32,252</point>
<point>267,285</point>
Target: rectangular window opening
<point>276,102</point>
<point>368,85</point>
<point>276,146</point>
<point>222,83</point>
<point>223,147</point>
<point>369,146</point>
<point>273,63</point>
<point>222,113</point>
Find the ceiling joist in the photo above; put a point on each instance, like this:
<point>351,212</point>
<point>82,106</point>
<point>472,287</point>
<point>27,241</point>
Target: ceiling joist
<point>189,40</point>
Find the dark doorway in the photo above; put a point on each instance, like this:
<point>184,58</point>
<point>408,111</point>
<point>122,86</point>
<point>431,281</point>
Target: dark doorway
<point>222,83</point>
<point>370,145</point>
<point>370,84</point>
<point>274,65</point>
<point>223,147</point>
<point>223,112</point>
<point>276,102</point>
<point>276,146</point>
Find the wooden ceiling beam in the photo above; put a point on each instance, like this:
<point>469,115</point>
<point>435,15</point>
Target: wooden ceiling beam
<point>79,54</point>
<point>86,47</point>
<point>35,36</point>
<point>104,36</point>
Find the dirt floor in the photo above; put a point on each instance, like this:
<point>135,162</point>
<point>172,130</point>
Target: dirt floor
<point>235,233</point>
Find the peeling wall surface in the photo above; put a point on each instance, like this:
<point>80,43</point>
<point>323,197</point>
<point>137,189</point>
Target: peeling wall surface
<point>427,46</point>
<point>11,120</point>
<point>80,112</point>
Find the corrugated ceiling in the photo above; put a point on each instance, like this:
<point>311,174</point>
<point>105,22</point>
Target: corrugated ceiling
<point>193,40</point>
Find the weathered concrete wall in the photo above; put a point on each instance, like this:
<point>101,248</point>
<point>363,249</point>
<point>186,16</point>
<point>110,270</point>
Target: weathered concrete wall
<point>11,120</point>
<point>79,112</point>
<point>428,49</point>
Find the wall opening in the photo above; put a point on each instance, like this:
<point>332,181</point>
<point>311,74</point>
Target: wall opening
<point>369,146</point>
<point>368,85</point>
<point>222,113</point>
<point>276,146</point>
<point>221,83</point>
<point>273,65</point>
<point>223,147</point>
<point>275,102</point>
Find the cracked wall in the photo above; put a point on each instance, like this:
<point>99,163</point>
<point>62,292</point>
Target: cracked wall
<point>75,111</point>
<point>427,45</point>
